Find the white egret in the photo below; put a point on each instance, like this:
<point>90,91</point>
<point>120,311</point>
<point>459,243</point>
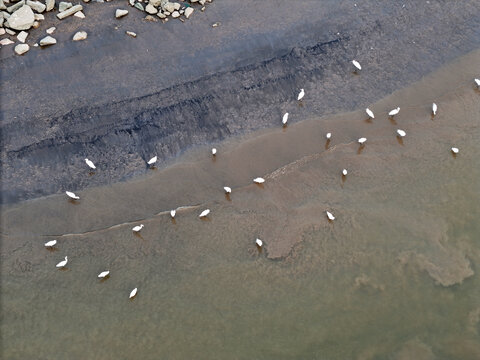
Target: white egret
<point>357,65</point>
<point>477,81</point>
<point>152,161</point>
<point>401,133</point>
<point>330,216</point>
<point>133,293</point>
<point>285,119</point>
<point>204,213</point>
<point>138,228</point>
<point>259,242</point>
<point>362,140</point>
<point>394,111</point>
<point>72,195</point>
<point>90,164</point>
<point>370,113</point>
<point>103,274</point>
<point>455,150</point>
<point>344,172</point>
<point>328,136</point>
<point>173,213</point>
<point>214,151</point>
<point>301,94</point>
<point>51,243</point>
<point>259,180</point>
<point>227,190</point>
<point>62,263</point>
<point>434,109</point>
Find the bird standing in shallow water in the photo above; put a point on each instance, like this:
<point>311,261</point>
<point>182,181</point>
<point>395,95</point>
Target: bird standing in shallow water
<point>362,140</point>
<point>204,213</point>
<point>133,293</point>
<point>401,133</point>
<point>51,243</point>
<point>103,274</point>
<point>90,164</point>
<point>214,151</point>
<point>477,81</point>
<point>301,94</point>
<point>259,180</point>
<point>394,111</point>
<point>370,113</point>
<point>330,216</point>
<point>357,65</point>
<point>259,243</point>
<point>227,190</point>
<point>285,119</point>
<point>344,172</point>
<point>328,136</point>
<point>72,195</point>
<point>62,263</point>
<point>172,213</point>
<point>434,109</point>
<point>152,161</point>
<point>137,228</point>
<point>455,150</point>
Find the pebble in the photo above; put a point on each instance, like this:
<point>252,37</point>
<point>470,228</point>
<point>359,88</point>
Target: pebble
<point>120,13</point>
<point>36,6</point>
<point>170,7</point>
<point>64,6</point>
<point>161,15</point>
<point>36,24</point>
<point>176,6</point>
<point>79,14</point>
<point>38,17</point>
<point>139,6</point>
<point>175,14</point>
<point>2,31</point>
<point>150,18</point>
<point>69,11</point>
<point>22,19</point>
<point>4,42</point>
<point>151,9</point>
<point>16,6</point>
<point>21,49</point>
<point>155,3</point>
<point>10,32</point>
<point>131,33</point>
<point>50,30</point>
<point>188,12</point>
<point>47,40</point>
<point>50,4</point>
<point>80,35</point>
<point>22,36</point>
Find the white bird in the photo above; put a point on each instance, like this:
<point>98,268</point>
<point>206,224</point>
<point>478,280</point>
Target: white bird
<point>51,243</point>
<point>357,65</point>
<point>401,133</point>
<point>344,172</point>
<point>370,113</point>
<point>301,94</point>
<point>62,263</point>
<point>138,228</point>
<point>90,164</point>
<point>259,180</point>
<point>152,161</point>
<point>103,274</point>
<point>227,190</point>
<point>328,136</point>
<point>204,213</point>
<point>434,109</point>
<point>214,151</point>
<point>173,213</point>
<point>394,111</point>
<point>362,140</point>
<point>455,150</point>
<point>72,195</point>
<point>330,216</point>
<point>477,81</point>
<point>259,242</point>
<point>133,293</point>
<point>285,119</point>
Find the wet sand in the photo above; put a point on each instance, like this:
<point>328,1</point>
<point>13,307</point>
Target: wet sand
<point>118,100</point>
<point>394,276</point>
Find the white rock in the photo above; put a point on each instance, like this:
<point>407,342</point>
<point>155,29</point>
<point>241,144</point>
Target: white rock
<point>120,13</point>
<point>21,49</point>
<point>51,30</point>
<point>151,9</point>
<point>80,35</point>
<point>175,14</point>
<point>10,32</point>
<point>79,14</point>
<point>131,33</point>
<point>38,17</point>
<point>176,6</point>
<point>36,44</point>
<point>16,6</point>
<point>161,15</point>
<point>50,4</point>
<point>36,24</point>
<point>155,3</point>
<point>22,19</point>
<point>189,11</point>
<point>69,11</point>
<point>36,6</point>
<point>2,31</point>
<point>22,36</point>
<point>64,6</point>
<point>47,40</point>
<point>166,12</point>
<point>169,7</point>
<point>2,5</point>
<point>6,41</point>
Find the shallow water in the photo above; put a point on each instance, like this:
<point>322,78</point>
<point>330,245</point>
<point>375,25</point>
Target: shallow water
<point>393,277</point>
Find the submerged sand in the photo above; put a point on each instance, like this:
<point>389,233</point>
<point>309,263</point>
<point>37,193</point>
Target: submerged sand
<point>393,275</point>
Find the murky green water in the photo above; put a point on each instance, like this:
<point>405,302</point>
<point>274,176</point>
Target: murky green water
<point>393,277</point>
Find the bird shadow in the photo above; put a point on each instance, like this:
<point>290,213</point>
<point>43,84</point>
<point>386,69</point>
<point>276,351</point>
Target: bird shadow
<point>259,248</point>
<point>300,103</point>
<point>392,120</point>
<point>132,299</point>
<point>174,222</point>
<point>205,218</point>
<point>153,168</point>
<point>355,72</point>
<point>368,120</point>
<point>327,144</point>
<point>284,127</point>
<point>138,235</point>
<point>227,197</point>
<point>260,185</point>
<point>73,201</point>
<point>400,140</point>
<point>51,249</point>
<point>214,158</point>
<point>102,280</point>
<point>344,178</point>
<point>453,155</point>
<point>91,173</point>
<point>360,149</point>
<point>432,117</point>
<point>63,268</point>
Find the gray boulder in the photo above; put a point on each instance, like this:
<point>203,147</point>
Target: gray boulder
<point>22,19</point>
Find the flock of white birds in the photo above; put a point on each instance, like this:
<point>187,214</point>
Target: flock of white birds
<point>259,180</point>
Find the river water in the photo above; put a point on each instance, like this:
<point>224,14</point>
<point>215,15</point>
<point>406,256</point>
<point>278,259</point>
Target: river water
<point>393,277</point>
